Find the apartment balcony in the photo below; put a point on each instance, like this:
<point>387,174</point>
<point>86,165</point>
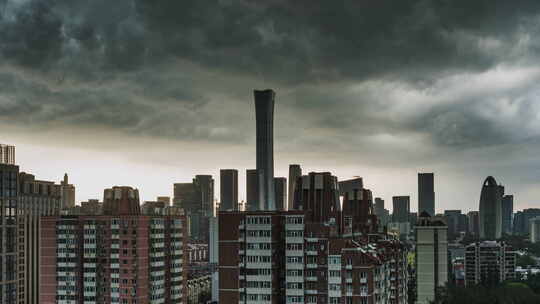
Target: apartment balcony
<point>363,280</point>
<point>348,267</point>
<point>311,266</point>
<point>312,292</point>
<point>294,240</point>
<point>312,279</point>
<point>311,252</point>
<point>348,280</point>
<point>294,279</point>
<point>294,253</point>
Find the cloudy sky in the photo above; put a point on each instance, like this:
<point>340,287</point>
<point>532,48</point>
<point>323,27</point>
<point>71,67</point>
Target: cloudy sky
<point>147,93</point>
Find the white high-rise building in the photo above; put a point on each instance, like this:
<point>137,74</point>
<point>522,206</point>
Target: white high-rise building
<point>431,257</point>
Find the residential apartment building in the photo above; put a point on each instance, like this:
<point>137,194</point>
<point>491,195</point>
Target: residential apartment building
<point>118,257</point>
<point>431,257</point>
<point>285,257</point>
<point>489,262</point>
<point>36,198</point>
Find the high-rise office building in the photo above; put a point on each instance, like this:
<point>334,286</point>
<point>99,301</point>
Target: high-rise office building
<point>295,171</point>
<point>264,108</point>
<point>383,215</point>
<point>489,263</point>
<point>378,207</point>
<point>357,212</point>
<point>453,221</point>
<point>228,180</point>
<point>280,188</point>
<point>402,209</point>
<point>204,187</point>
<point>507,214</point>
<point>431,257</point>
<point>252,190</point>
<point>491,210</point>
<point>318,192</point>
<point>535,229</point>
<point>68,194</point>
<point>9,195</point>
<point>7,154</point>
<point>36,198</point>
<point>522,219</point>
<point>120,257</point>
<point>197,200</point>
<point>185,196</point>
<point>474,222</point>
<point>426,193</point>
<point>350,185</point>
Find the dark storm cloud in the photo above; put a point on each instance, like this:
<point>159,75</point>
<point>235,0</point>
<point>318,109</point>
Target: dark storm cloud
<point>34,37</point>
<point>108,63</point>
<point>291,41</point>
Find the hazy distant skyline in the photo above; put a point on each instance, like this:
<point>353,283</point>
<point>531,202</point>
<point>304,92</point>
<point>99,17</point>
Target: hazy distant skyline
<point>135,93</point>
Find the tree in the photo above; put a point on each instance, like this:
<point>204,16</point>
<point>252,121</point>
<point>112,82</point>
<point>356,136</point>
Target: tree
<point>525,260</point>
<point>506,293</point>
<point>533,282</point>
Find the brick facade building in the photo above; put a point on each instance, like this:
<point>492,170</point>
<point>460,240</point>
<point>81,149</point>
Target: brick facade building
<point>119,257</point>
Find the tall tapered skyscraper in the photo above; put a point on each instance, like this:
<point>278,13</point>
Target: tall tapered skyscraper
<point>426,193</point>
<point>264,109</point>
<point>295,171</point>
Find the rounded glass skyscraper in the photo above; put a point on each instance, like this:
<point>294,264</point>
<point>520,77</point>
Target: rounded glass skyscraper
<point>491,209</point>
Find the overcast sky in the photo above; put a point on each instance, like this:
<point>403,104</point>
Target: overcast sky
<point>147,93</point>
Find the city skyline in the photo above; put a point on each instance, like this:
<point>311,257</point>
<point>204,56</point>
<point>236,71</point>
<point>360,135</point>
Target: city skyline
<point>83,193</point>
<point>155,101</point>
